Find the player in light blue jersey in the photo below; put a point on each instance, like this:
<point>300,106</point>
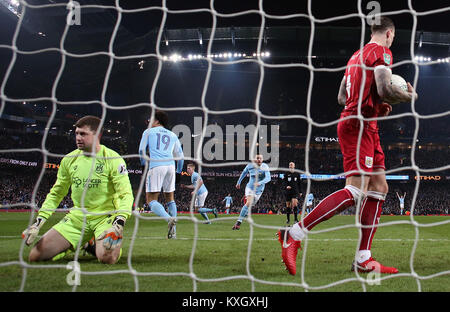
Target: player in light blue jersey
<point>200,192</point>
<point>259,177</point>
<point>162,146</point>
<point>309,202</point>
<point>401,199</point>
<point>228,202</point>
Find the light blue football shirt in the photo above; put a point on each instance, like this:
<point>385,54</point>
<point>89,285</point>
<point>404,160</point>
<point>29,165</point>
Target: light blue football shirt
<point>262,174</point>
<point>228,200</point>
<point>195,178</point>
<point>162,146</point>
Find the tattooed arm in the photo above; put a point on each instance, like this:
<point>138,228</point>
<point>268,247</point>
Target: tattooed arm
<point>388,92</point>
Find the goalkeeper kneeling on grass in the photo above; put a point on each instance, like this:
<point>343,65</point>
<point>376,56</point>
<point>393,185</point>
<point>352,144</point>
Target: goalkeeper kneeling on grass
<point>99,183</point>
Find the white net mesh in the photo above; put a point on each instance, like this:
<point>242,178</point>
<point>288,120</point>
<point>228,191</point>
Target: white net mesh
<point>213,59</point>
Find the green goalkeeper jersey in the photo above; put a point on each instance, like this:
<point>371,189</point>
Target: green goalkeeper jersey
<point>107,188</point>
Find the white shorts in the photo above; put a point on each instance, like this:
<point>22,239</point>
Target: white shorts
<point>200,199</point>
<point>161,177</point>
<point>402,206</point>
<point>249,191</point>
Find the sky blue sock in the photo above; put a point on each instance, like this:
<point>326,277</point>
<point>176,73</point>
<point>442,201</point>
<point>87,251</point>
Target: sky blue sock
<point>205,210</point>
<point>158,209</point>
<point>243,213</point>
<point>204,215</point>
<point>172,207</point>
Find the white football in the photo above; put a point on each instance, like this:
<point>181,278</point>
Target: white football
<point>398,81</point>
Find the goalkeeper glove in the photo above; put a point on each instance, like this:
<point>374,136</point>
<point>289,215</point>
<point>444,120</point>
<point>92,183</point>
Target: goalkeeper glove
<point>32,231</point>
<point>112,237</point>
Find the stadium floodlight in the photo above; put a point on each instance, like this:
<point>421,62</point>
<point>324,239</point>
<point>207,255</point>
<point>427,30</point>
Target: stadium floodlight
<point>12,6</point>
<point>421,58</point>
<point>175,57</point>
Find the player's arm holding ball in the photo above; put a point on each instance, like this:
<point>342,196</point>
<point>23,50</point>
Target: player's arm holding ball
<point>384,109</point>
<point>391,92</point>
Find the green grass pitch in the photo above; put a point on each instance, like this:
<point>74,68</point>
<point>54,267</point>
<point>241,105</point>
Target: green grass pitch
<point>223,260</point>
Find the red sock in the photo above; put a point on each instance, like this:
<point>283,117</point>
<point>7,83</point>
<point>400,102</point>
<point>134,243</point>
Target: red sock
<point>370,215</point>
<point>328,207</point>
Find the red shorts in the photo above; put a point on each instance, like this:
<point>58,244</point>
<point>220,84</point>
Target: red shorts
<point>371,155</point>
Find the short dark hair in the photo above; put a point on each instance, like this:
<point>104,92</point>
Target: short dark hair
<point>92,121</point>
<point>384,24</point>
<point>162,117</point>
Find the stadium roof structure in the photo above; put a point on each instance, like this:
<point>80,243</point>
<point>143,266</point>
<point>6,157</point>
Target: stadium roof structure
<point>39,41</point>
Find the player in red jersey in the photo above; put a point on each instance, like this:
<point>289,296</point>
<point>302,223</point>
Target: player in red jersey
<point>370,90</point>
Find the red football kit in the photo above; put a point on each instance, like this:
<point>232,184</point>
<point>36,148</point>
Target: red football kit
<point>359,81</point>
<point>370,152</point>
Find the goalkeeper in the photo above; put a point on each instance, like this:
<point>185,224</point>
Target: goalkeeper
<point>98,184</point>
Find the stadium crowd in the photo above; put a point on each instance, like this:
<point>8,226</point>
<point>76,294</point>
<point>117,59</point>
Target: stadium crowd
<point>18,185</point>
<point>18,182</point>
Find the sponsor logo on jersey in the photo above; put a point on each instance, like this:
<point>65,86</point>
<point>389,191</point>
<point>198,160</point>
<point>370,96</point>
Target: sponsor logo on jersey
<point>81,182</point>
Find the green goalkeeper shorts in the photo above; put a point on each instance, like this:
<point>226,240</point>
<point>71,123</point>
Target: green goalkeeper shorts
<point>71,227</point>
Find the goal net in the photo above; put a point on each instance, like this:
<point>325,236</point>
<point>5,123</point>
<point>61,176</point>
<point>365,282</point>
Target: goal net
<point>237,80</point>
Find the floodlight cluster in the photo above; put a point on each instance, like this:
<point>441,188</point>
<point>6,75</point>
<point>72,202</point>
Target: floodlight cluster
<point>175,57</point>
<point>422,59</point>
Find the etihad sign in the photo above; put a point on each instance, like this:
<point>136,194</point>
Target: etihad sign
<point>428,178</point>
<point>326,139</point>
